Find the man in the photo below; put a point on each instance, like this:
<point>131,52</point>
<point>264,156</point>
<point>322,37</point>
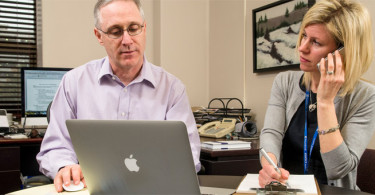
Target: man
<point>123,85</point>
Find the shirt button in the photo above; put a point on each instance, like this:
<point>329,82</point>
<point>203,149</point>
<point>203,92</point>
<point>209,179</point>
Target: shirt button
<point>113,78</point>
<point>125,90</point>
<point>123,114</point>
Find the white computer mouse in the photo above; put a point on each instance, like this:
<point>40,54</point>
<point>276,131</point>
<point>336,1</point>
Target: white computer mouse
<point>72,187</point>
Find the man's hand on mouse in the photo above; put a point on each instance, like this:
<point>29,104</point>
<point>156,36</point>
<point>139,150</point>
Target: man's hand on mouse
<point>66,174</point>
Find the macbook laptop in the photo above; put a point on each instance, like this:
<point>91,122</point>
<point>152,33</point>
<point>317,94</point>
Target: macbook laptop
<point>134,157</point>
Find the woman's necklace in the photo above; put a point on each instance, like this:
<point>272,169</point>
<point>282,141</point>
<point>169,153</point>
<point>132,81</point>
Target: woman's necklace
<point>312,106</point>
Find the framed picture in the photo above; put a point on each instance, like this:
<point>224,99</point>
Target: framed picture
<point>275,34</point>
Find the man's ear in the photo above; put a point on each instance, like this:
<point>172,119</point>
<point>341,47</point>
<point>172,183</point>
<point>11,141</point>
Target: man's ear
<point>144,28</point>
<point>98,36</point>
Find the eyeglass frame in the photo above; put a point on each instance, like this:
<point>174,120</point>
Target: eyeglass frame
<point>123,30</point>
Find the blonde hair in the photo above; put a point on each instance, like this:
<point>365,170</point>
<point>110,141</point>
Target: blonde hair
<point>350,25</point>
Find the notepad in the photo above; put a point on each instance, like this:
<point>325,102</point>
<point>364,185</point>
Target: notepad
<point>231,144</point>
<point>303,182</point>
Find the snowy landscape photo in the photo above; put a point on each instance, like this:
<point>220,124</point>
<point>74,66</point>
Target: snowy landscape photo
<point>275,32</point>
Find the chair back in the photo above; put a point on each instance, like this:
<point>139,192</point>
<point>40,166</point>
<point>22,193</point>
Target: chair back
<point>366,172</point>
<point>48,111</point>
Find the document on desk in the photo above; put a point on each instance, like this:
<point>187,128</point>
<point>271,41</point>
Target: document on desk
<point>303,182</point>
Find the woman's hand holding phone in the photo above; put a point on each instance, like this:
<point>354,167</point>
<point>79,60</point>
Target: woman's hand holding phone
<point>341,51</point>
<point>332,77</point>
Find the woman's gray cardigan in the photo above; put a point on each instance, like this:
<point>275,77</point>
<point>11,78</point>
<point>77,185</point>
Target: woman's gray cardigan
<point>355,114</point>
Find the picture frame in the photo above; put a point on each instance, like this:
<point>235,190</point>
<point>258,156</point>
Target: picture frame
<point>275,33</point>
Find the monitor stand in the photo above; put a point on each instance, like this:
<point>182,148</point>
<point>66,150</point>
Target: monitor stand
<point>34,121</point>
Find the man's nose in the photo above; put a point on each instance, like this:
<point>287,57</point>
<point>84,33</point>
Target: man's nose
<point>126,38</point>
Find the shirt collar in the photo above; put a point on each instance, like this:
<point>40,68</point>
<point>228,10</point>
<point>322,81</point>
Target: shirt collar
<point>146,74</point>
<point>105,69</point>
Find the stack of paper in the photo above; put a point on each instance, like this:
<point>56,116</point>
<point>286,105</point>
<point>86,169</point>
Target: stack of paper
<point>304,182</point>
<point>222,145</point>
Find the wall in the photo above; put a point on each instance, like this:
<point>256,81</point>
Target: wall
<point>68,35</point>
<point>227,47</point>
<point>184,45</point>
<point>206,43</point>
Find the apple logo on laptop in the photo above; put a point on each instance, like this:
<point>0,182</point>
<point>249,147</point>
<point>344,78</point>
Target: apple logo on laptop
<point>131,164</point>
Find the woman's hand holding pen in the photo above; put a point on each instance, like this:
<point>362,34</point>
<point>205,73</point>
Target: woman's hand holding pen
<point>268,174</point>
<point>270,171</point>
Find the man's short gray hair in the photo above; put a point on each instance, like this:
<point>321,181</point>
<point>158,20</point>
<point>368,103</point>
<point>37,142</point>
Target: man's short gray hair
<point>102,3</point>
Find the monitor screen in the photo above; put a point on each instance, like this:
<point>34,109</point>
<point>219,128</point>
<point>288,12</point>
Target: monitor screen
<point>39,85</point>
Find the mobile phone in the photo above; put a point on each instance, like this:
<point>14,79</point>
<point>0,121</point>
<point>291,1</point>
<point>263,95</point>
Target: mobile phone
<point>342,53</point>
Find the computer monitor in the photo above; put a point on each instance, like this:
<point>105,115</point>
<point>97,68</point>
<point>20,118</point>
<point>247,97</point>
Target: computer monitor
<point>38,88</point>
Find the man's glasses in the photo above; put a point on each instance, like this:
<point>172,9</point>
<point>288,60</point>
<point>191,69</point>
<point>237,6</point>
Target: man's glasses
<point>117,31</point>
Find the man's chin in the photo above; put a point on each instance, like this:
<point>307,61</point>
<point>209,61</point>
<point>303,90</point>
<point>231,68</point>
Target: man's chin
<point>130,63</point>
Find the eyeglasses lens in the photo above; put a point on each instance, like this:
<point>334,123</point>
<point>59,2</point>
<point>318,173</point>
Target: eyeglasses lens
<point>117,32</point>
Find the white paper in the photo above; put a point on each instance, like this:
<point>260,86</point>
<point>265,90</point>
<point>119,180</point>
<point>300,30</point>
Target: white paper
<point>304,182</point>
<point>4,121</point>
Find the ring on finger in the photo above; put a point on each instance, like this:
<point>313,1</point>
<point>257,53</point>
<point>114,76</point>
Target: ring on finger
<point>330,72</point>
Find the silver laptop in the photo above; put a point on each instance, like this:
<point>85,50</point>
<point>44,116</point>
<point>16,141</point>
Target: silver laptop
<point>134,157</point>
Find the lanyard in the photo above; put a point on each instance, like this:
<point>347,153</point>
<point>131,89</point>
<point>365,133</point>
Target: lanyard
<point>305,157</point>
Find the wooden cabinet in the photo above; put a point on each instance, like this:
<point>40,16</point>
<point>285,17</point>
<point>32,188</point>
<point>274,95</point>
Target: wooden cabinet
<point>16,157</point>
<point>231,162</point>
<point>9,169</point>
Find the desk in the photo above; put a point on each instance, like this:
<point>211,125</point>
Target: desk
<point>230,182</point>
<point>17,156</point>
<point>231,162</point>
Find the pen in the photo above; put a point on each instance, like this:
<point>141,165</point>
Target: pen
<point>268,158</point>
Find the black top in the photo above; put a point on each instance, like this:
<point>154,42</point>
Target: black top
<point>292,149</point>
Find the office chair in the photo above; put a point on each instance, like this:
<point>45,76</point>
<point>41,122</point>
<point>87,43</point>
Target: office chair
<point>38,180</point>
<point>48,111</point>
<point>366,172</point>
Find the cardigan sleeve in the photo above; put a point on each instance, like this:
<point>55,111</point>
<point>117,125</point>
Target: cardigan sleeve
<point>275,121</point>
<point>356,117</point>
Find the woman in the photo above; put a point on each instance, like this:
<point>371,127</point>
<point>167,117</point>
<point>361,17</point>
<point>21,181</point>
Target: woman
<point>319,121</point>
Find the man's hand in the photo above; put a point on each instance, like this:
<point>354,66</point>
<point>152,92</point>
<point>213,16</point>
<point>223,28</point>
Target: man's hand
<point>66,174</point>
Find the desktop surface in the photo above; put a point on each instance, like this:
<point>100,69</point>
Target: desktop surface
<point>214,181</point>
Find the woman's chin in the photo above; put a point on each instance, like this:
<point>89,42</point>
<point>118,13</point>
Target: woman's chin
<point>306,68</point>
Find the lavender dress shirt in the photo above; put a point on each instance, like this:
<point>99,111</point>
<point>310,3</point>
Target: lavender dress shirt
<point>92,91</point>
